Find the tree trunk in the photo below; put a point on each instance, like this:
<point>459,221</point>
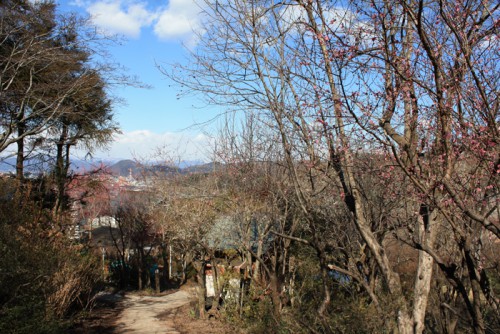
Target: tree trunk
<point>404,321</point>
<point>477,316</point>
<point>214,310</point>
<point>157,281</point>
<point>147,277</point>
<point>60,170</point>
<point>201,289</point>
<point>21,128</point>
<point>139,270</point>
<point>426,229</point>
<point>275,295</point>
<point>421,290</point>
<point>256,270</point>
<point>166,263</point>
<point>320,250</point>
<point>184,268</point>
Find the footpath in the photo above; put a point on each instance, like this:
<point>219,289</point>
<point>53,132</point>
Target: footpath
<point>168,313</point>
<point>150,314</point>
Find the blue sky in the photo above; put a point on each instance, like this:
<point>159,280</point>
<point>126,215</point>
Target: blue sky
<point>154,32</point>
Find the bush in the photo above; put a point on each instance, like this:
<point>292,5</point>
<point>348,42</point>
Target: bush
<point>44,279</point>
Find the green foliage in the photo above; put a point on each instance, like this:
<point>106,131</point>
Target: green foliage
<point>43,278</point>
<point>53,93</point>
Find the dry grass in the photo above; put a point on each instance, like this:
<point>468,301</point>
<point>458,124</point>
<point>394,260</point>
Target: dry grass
<point>186,323</point>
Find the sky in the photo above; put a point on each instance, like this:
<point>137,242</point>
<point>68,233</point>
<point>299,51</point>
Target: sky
<point>155,123</point>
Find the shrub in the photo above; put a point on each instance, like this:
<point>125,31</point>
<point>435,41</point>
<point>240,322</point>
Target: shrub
<point>44,279</point>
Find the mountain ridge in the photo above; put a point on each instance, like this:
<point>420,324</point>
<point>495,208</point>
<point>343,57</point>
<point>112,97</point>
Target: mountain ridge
<point>118,167</point>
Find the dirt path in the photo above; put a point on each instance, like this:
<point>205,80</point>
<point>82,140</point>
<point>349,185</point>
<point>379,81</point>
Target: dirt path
<point>170,313</point>
<point>150,314</point>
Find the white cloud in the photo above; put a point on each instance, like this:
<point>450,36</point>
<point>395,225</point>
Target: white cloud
<point>121,17</point>
<point>175,21</point>
<point>178,20</point>
<point>145,144</point>
<point>342,21</point>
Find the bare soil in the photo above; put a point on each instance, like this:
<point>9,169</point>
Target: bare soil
<point>171,312</point>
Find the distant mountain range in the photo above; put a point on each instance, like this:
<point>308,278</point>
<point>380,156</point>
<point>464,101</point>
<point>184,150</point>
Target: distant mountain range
<point>114,166</point>
<point>39,165</point>
<point>127,167</point>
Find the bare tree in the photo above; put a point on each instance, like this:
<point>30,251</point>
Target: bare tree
<point>407,85</point>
